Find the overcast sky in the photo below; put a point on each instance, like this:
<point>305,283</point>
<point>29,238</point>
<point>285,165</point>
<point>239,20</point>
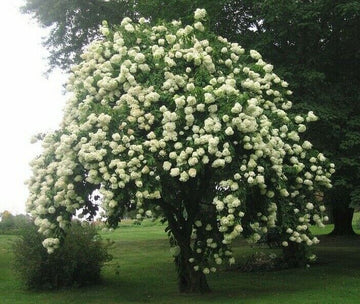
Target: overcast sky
<point>30,103</point>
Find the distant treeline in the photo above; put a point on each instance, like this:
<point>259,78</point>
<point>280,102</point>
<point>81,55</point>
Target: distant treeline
<point>11,224</point>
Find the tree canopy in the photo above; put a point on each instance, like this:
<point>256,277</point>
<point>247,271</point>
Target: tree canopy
<point>180,123</point>
<point>313,44</point>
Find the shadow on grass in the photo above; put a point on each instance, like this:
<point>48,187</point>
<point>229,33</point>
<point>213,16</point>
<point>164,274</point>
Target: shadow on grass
<point>154,280</point>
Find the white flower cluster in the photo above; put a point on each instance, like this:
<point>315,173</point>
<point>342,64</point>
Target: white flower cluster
<point>172,105</point>
<point>200,14</point>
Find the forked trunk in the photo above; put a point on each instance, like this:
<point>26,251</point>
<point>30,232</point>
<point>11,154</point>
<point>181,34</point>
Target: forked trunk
<point>190,281</point>
<point>181,219</point>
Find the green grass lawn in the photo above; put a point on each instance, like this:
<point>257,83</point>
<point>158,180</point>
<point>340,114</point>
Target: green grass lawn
<point>147,275</point>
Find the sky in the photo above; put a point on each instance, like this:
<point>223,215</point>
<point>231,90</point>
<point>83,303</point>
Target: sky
<point>30,102</point>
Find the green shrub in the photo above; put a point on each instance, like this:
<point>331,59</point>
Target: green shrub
<point>77,262</point>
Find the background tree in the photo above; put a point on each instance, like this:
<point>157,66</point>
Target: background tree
<point>7,220</point>
<point>73,24</point>
<point>312,43</point>
<point>180,123</point>
<point>11,224</point>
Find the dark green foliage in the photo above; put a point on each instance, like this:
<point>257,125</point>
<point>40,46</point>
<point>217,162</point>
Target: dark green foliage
<point>313,45</point>
<point>73,24</point>
<point>272,238</point>
<point>77,262</point>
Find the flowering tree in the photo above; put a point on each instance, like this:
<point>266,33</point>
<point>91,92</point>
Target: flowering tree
<point>180,123</point>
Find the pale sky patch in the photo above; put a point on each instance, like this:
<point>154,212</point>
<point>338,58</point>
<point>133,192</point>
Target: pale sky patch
<point>30,103</point>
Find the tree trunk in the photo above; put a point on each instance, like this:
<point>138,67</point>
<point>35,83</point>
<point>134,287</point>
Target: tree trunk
<point>294,255</point>
<point>342,217</point>
<point>181,213</point>
<point>190,281</point>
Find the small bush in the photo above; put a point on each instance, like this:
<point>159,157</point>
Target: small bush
<point>77,262</point>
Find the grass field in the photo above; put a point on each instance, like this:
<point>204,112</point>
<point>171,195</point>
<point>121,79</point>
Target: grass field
<point>147,275</point>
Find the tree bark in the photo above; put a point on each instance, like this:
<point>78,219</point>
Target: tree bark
<point>190,281</point>
<point>181,209</point>
<point>342,218</point>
